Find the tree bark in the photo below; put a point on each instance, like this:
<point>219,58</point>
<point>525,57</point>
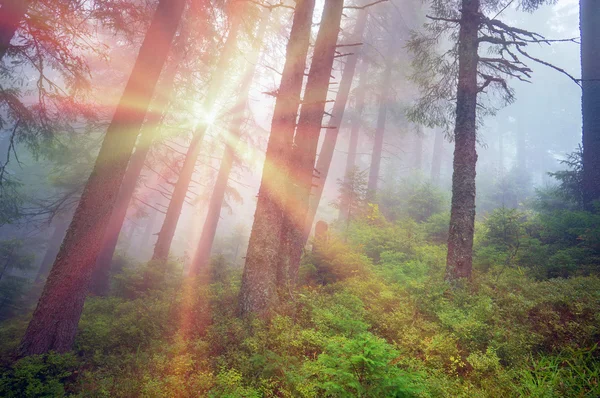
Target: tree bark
<point>337,116</point>
<point>356,124</point>
<point>379,133</point>
<point>54,322</point>
<point>462,215</point>
<point>438,153</point>
<point>101,276</point>
<point>12,13</point>
<point>590,67</point>
<point>167,232</point>
<point>207,238</point>
<point>306,142</point>
<point>258,290</point>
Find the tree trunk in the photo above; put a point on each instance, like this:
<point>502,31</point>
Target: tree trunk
<point>258,290</point>
<point>12,13</point>
<point>167,232</point>
<point>438,153</point>
<point>462,215</point>
<point>101,276</point>
<point>337,116</point>
<point>60,229</point>
<point>590,67</point>
<point>55,319</point>
<point>418,155</point>
<point>306,142</point>
<point>379,133</point>
<point>207,238</point>
<point>148,230</point>
<point>356,124</point>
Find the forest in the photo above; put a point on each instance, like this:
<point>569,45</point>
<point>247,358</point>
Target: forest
<point>300,198</point>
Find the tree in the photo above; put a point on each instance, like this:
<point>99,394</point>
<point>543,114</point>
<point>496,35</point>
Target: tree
<point>335,121</point>
<point>258,290</point>
<point>208,110</point>
<point>303,157</point>
<point>150,131</point>
<point>232,139</point>
<point>436,159</point>
<point>451,85</point>
<point>12,13</point>
<point>384,93</point>
<point>54,322</point>
<point>590,68</point>
<point>355,127</point>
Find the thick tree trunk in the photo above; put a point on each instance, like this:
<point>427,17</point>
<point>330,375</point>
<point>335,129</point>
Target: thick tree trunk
<point>207,238</point>
<point>12,13</point>
<point>356,124</point>
<point>258,290</point>
<point>55,319</point>
<point>438,153</point>
<point>101,276</point>
<point>462,217</point>
<point>590,68</point>
<point>306,142</point>
<point>60,229</point>
<point>337,116</point>
<point>167,232</point>
<point>379,134</point>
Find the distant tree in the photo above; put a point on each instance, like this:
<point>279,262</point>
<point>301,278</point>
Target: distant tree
<point>337,116</point>
<point>14,266</point>
<point>232,141</point>
<point>590,68</point>
<point>352,197</point>
<point>54,322</point>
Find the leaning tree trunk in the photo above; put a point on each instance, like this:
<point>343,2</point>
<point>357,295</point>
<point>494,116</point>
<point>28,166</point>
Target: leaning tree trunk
<point>379,133</point>
<point>306,142</point>
<point>462,215</point>
<point>258,291</point>
<point>167,232</point>
<point>207,237</point>
<point>337,116</point>
<point>436,159</point>
<point>12,13</point>
<point>101,277</point>
<point>590,68</point>
<point>55,319</point>
<point>60,229</point>
<point>356,124</point>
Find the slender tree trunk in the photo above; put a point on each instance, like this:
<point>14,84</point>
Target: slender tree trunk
<point>148,230</point>
<point>207,238</point>
<point>418,155</point>
<point>167,232</point>
<point>60,229</point>
<point>55,319</point>
<point>462,215</point>
<point>379,133</point>
<point>101,276</point>
<point>258,290</point>
<point>12,13</point>
<point>306,142</point>
<point>438,153</point>
<point>337,116</point>
<point>356,124</point>
<point>590,67</point>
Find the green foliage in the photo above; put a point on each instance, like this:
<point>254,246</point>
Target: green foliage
<point>39,376</point>
<point>365,366</point>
